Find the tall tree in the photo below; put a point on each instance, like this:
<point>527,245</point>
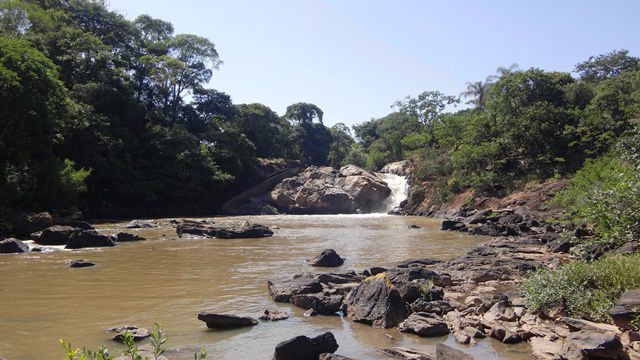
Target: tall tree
<point>601,67</point>
<point>303,113</point>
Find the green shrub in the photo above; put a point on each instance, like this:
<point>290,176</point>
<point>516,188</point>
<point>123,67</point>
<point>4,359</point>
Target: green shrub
<point>587,290</point>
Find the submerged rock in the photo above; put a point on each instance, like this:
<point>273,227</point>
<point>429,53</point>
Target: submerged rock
<point>89,238</point>
<point>80,264</point>
<point>274,315</point>
<point>377,302</point>
<point>328,258</point>
<point>406,353</point>
<point>226,321</point>
<point>127,237</point>
<point>306,348</point>
<point>141,224</point>
<point>246,231</point>
<point>138,333</point>
<point>13,246</point>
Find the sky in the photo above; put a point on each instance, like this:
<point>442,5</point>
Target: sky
<point>354,58</point>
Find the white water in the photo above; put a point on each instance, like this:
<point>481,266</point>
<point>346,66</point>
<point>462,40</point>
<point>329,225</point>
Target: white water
<point>399,190</point>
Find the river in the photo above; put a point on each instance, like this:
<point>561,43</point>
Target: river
<point>169,280</point>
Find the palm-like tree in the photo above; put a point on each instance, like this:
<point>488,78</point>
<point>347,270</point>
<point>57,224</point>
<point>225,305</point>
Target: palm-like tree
<point>477,91</point>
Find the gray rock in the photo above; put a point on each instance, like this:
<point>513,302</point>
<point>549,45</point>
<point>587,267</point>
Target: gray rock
<point>306,348</point>
<point>444,352</point>
<point>226,321</point>
<point>321,303</point>
<point>246,231</point>
<point>406,353</point>
<point>141,224</point>
<point>13,246</point>
<point>329,356</point>
<point>454,225</point>
<point>592,345</point>
<point>424,324</point>
<point>138,333</point>
<point>282,291</point>
<point>377,302</point>
<point>274,315</point>
<point>328,258</point>
<point>626,310</point>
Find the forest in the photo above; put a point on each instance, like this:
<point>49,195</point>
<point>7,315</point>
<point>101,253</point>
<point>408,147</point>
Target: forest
<point>102,112</point>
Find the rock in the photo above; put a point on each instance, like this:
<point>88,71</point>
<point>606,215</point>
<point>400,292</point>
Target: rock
<point>508,334</point>
<point>82,225</point>
<point>246,231</point>
<point>439,307</point>
<point>419,289</point>
<point>274,315</point>
<point>322,304</point>
<point>13,246</point>
<point>137,332</point>
<point>323,190</point>
<point>375,270</point>
<point>377,302</point>
<point>500,311</point>
<point>226,321</point>
<point>581,324</point>
<point>80,264</point>
<point>141,224</point>
<point>55,235</point>
<point>444,352</point>
<point>328,258</point>
<point>560,246</point>
<point>583,231</point>
<point>414,226</point>
<point>626,310</point>
<point>628,248</point>
<point>402,168</point>
<point>510,219</point>
<point>406,353</point>
<point>545,349</point>
<point>416,263</point>
<point>30,223</point>
<point>329,356</point>
<point>306,348</point>
<point>454,225</point>
<point>310,312</point>
<point>592,345</point>
<point>127,237</point>
<point>88,238</point>
<point>424,324</point>
<point>282,292</point>
<point>481,217</point>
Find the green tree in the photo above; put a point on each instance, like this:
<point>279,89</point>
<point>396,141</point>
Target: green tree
<point>341,145</point>
<point>303,113</point>
<point>602,67</point>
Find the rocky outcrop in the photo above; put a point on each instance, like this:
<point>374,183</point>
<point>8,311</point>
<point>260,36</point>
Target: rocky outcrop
<point>27,224</point>
<point>13,246</point>
<point>324,190</point>
<point>89,239</point>
<point>54,235</point>
<point>377,302</point>
<point>282,291</point>
<point>306,348</point>
<point>321,303</point>
<point>424,324</point>
<point>328,258</point>
<point>401,168</point>
<point>627,309</point>
<point>246,231</point>
<point>137,333</point>
<point>128,237</point>
<point>226,321</point>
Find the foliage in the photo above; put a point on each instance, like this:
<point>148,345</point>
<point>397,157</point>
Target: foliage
<point>602,67</point>
<point>587,290</point>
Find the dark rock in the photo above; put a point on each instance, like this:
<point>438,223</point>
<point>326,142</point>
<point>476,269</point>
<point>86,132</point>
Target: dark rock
<point>329,356</point>
<point>416,263</point>
<point>88,238</point>
<point>374,271</point>
<point>628,248</point>
<point>13,246</point>
<point>481,217</point>
<point>127,237</point>
<point>500,311</point>
<point>282,292</point>
<point>583,231</point>
<point>80,264</point>
<point>560,246</point>
<point>593,345</point>
<point>424,324</point>
<point>226,321</point>
<point>444,352</point>
<point>55,235</point>
<point>414,226</point>
<point>510,219</point>
<point>141,224</point>
<point>246,231</point>
<point>626,310</point>
<point>306,348</point>
<point>30,223</point>
<point>453,225</point>
<point>274,315</point>
<point>339,278</point>
<point>322,304</point>
<point>377,302</point>
<point>406,353</point>
<point>439,307</point>
<point>419,289</point>
<point>328,258</point>
<point>82,225</point>
<point>137,332</point>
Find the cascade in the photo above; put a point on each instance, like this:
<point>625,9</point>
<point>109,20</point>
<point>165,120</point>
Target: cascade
<point>399,190</point>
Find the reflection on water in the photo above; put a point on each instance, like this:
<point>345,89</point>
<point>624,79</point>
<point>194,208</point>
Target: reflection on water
<point>169,280</point>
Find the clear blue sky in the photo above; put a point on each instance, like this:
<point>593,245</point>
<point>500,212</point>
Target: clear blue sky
<point>354,58</point>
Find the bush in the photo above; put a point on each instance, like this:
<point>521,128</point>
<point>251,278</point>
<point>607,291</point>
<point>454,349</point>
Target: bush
<point>587,290</point>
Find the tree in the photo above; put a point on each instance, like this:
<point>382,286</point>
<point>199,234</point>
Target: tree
<point>263,128</point>
<point>427,107</point>
<point>477,91</point>
<point>341,144</point>
<point>601,67</point>
<point>303,113</point>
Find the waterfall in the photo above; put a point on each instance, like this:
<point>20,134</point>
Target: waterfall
<point>399,190</point>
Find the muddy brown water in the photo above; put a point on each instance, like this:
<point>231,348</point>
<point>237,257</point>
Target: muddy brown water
<point>168,280</point>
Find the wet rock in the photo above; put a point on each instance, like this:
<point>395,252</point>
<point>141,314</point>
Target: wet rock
<point>321,303</point>
<point>453,225</point>
<point>282,291</point>
<point>82,225</point>
<point>306,348</point>
<point>444,352</point>
<point>416,263</point>
<point>626,310</point>
<point>377,302</point>
<point>141,224</point>
<point>246,231</point>
<point>592,345</point>
<point>80,264</point>
<point>226,321</point>
<point>329,356</point>
<point>55,235</point>
<point>274,315</point>
<point>127,237</point>
<point>30,223</point>
<point>375,270</point>
<point>414,226</point>
<point>13,246</point>
<point>138,333</point>
<point>310,312</point>
<point>328,258</point>
<point>406,353</point>
<point>87,239</point>
<point>424,324</point>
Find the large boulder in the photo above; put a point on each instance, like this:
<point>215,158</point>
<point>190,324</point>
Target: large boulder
<point>55,235</point>
<point>246,231</point>
<point>27,224</point>
<point>128,237</point>
<point>592,345</point>
<point>226,321</point>
<point>377,302</point>
<point>88,239</point>
<point>444,352</point>
<point>424,324</point>
<point>306,348</point>
<point>321,303</point>
<point>13,246</point>
<point>627,309</point>
<point>402,168</point>
<point>328,258</point>
<point>282,291</point>
<point>137,333</point>
<point>324,190</point>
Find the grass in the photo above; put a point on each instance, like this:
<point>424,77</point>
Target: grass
<point>587,289</point>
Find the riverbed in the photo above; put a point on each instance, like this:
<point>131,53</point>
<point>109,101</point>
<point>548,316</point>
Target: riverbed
<point>169,280</point>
